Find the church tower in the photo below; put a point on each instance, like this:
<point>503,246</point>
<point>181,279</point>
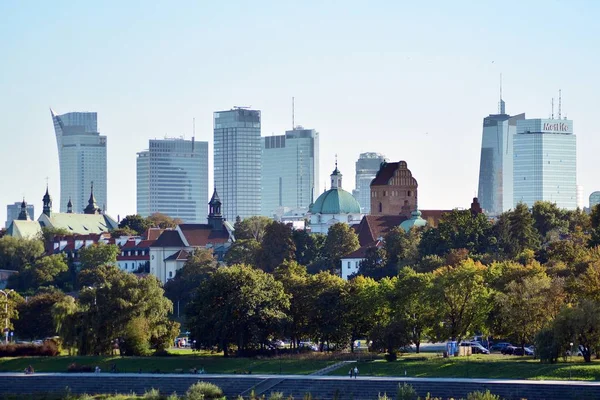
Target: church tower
<point>23,216</point>
<point>215,218</point>
<point>92,207</point>
<point>47,201</point>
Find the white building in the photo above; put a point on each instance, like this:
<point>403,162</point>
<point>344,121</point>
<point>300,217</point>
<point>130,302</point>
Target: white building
<point>290,171</point>
<point>333,206</point>
<point>367,166</point>
<point>172,178</point>
<point>82,159</point>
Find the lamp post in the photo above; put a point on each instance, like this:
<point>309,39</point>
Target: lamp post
<point>5,293</point>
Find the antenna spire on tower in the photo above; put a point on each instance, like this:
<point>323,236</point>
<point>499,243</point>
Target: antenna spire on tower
<point>501,104</point>
<point>293,115</point>
<point>552,115</point>
<point>559,104</point>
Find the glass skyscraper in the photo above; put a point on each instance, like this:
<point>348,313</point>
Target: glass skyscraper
<point>495,191</point>
<point>82,159</point>
<point>172,178</point>
<point>13,211</point>
<point>237,162</point>
<point>290,170</point>
<point>367,166</point>
<point>545,162</point>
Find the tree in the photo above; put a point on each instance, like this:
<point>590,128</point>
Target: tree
<point>595,217</point>
<point>64,313</point>
<point>375,263</point>
<point>402,248</point>
<point>97,255</point>
<point>341,240</point>
<point>46,271</point>
<point>119,232</point>
<point>522,234</point>
<point>308,246</point>
<point>9,308</point>
<point>460,300</point>
<point>251,228</point>
<point>548,217</point>
<point>243,251</point>
<point>363,297</point>
<point>237,305</point>
<point>296,284</point>
<point>580,324</point>
<point>527,305</point>
<point>35,316</point>
<point>199,266</point>
<point>163,221</point>
<point>277,246</point>
<point>136,223</point>
<point>48,233</point>
<point>16,253</point>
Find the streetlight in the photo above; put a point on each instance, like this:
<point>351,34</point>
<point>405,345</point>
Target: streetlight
<point>6,314</point>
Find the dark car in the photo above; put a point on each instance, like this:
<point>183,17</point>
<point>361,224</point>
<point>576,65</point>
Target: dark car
<point>499,346</point>
<point>477,348</point>
<point>510,350</point>
<point>518,351</point>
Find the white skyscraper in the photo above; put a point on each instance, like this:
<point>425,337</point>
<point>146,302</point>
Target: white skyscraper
<point>290,171</point>
<point>367,166</point>
<point>82,159</point>
<point>237,162</point>
<point>172,178</point>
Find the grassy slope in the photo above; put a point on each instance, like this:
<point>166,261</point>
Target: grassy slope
<point>478,366</point>
<point>211,364</point>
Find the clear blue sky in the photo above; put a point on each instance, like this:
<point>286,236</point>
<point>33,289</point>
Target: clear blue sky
<point>412,80</point>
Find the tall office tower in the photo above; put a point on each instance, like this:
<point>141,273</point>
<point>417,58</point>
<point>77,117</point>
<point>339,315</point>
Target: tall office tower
<point>594,199</point>
<point>367,166</point>
<point>545,162</point>
<point>495,191</point>
<point>13,211</point>
<point>237,161</point>
<point>172,178</point>
<point>580,197</point>
<point>82,159</point>
<point>290,170</point>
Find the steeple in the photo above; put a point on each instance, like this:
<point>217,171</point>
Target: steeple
<point>92,207</point>
<point>47,200</point>
<point>501,103</point>
<point>215,218</point>
<point>69,207</point>
<point>336,177</point>
<point>23,216</point>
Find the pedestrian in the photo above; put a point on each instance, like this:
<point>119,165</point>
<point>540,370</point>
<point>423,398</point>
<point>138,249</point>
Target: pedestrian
<point>29,370</point>
<point>355,372</point>
<point>350,373</point>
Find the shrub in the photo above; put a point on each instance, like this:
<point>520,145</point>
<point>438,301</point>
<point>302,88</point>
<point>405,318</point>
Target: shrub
<point>487,395</point>
<point>391,357</point>
<point>276,396</point>
<point>152,394</point>
<point>137,338</point>
<point>406,392</point>
<point>203,391</point>
<point>47,349</point>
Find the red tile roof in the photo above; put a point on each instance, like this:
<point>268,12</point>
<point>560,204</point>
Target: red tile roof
<point>362,251</point>
<point>181,255</point>
<point>169,238</point>
<point>153,233</point>
<point>372,227</point>
<point>199,235</point>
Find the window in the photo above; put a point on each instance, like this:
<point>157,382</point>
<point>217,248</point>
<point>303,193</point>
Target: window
<point>348,264</point>
<point>380,207</point>
<point>170,274</point>
<point>409,193</point>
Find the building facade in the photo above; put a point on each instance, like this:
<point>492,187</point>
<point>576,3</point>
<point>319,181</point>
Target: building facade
<point>13,211</point>
<point>290,171</point>
<point>237,161</point>
<point>81,157</point>
<point>394,190</point>
<point>495,190</point>
<point>172,178</point>
<point>367,166</point>
<point>545,162</point>
<point>594,199</point>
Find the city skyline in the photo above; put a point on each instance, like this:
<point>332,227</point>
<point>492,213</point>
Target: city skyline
<point>414,91</point>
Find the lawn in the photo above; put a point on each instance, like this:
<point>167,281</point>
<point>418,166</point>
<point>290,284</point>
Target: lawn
<point>430,365</point>
<point>176,363</point>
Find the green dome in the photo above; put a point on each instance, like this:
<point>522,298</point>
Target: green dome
<point>335,201</point>
<point>415,220</point>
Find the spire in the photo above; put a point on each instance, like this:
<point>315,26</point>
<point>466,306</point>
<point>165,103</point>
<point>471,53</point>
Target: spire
<point>92,207</point>
<point>69,207</point>
<point>336,177</point>
<point>23,216</point>
<point>501,103</point>
<point>215,218</point>
<point>47,202</point>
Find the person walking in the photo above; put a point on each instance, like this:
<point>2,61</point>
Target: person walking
<point>355,372</point>
<point>350,373</point>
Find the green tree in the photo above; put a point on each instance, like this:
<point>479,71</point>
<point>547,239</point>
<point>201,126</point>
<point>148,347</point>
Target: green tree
<point>9,311</point>
<point>308,246</point>
<point>136,223</point>
<point>402,248</point>
<point>363,297</point>
<point>199,266</point>
<point>548,217</point>
<point>277,246</point>
<point>251,228</point>
<point>296,284</point>
<point>580,325</point>
<point>522,234</point>
<point>163,221</point>
<point>460,300</point>
<point>97,255</point>
<point>341,240</point>
<point>595,217</point>
<point>237,305</point>
<point>375,264</point>
<point>48,233</point>
<point>126,231</point>
<point>35,315</point>
<point>64,313</point>
<point>16,253</point>
<point>527,305</point>
<point>243,251</point>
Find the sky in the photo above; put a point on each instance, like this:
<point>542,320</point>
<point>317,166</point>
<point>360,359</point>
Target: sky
<point>411,80</point>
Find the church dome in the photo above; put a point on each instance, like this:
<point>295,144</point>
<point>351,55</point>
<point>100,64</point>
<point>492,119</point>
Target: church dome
<point>415,220</point>
<point>335,201</point>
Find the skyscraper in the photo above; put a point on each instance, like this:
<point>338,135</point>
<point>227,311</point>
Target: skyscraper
<point>172,178</point>
<point>545,162</point>
<point>13,211</point>
<point>237,161</point>
<point>367,166</point>
<point>81,157</point>
<point>290,170</point>
<point>495,191</point>
<point>594,199</point>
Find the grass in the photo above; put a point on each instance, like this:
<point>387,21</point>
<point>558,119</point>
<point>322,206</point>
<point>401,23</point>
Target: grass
<point>431,365</point>
<point>182,361</point>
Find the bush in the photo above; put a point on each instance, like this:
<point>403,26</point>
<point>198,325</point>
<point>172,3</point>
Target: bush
<point>406,392</point>
<point>47,349</point>
<point>203,391</point>
<point>487,395</point>
<point>391,357</point>
<point>136,340</point>
<point>74,367</point>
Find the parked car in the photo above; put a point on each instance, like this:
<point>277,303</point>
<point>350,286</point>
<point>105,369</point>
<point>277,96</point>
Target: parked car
<point>518,351</point>
<point>476,348</point>
<point>509,350</point>
<point>500,346</point>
